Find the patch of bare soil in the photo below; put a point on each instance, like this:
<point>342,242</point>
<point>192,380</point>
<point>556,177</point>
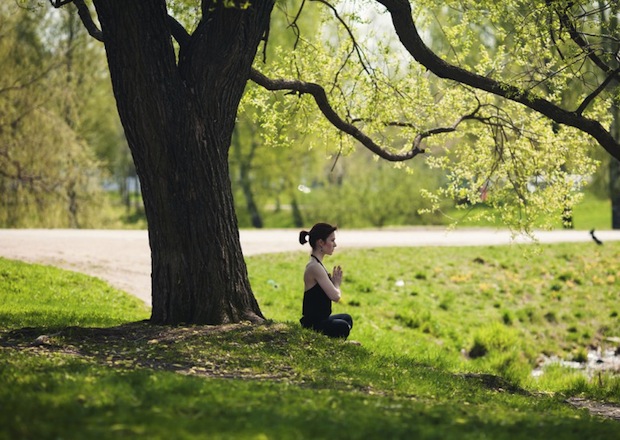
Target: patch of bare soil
<point>602,409</point>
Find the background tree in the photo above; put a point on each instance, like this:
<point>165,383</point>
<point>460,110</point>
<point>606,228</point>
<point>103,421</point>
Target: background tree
<point>373,193</point>
<point>609,17</point>
<point>271,159</point>
<point>49,174</point>
<point>275,156</point>
<point>88,108</point>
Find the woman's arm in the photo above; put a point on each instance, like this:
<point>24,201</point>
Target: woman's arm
<point>331,289</point>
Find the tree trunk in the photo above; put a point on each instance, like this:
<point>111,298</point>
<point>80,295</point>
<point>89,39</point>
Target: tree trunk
<point>246,186</point>
<point>614,164</point>
<point>614,172</point>
<point>179,121</point>
<point>245,165</point>
<point>298,218</point>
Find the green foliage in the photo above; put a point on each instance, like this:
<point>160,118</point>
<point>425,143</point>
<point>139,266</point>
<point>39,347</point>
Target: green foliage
<point>363,192</point>
<point>590,213</point>
<point>526,169</point>
<point>523,167</point>
<point>59,130</point>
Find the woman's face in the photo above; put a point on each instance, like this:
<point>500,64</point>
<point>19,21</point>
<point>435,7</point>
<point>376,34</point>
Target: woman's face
<point>329,245</point>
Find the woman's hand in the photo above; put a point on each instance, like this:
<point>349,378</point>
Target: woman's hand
<point>337,276</point>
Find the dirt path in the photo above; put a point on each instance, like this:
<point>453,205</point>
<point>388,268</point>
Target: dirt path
<point>122,257</point>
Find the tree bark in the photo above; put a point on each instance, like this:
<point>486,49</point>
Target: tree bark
<point>178,120</point>
<point>614,164</point>
<point>614,173</point>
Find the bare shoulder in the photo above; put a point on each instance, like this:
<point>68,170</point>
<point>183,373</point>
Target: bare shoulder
<point>314,271</point>
<point>313,267</point>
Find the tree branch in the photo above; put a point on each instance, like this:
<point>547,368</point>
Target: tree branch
<point>85,16</point>
<point>17,85</point>
<point>495,122</point>
<point>178,32</point>
<point>417,141</point>
<point>87,20</point>
<point>318,93</point>
<point>59,3</point>
<point>356,46</point>
<point>400,11</point>
<point>293,24</point>
<point>581,42</point>
<point>19,175</point>
<point>588,99</point>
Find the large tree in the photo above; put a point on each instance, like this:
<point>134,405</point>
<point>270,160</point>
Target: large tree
<point>179,116</point>
<point>178,109</point>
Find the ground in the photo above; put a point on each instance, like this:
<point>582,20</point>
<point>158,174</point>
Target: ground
<point>138,345</point>
<point>122,258</point>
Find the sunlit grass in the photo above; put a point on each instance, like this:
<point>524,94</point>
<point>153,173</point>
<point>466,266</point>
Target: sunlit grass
<point>493,309</point>
<point>34,295</point>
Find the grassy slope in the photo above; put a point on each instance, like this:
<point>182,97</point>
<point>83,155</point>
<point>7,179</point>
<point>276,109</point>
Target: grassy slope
<point>408,379</point>
<point>436,302</point>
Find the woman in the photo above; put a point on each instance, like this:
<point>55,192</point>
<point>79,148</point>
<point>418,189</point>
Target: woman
<point>321,287</point>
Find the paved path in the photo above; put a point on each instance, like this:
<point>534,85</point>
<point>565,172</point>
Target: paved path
<point>122,257</point>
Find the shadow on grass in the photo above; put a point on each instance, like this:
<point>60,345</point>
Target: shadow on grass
<point>241,381</point>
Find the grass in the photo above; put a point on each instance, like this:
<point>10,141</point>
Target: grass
<point>46,296</point>
<point>78,361</point>
<point>476,309</point>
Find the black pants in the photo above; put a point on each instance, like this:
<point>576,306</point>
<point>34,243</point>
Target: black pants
<point>336,326</point>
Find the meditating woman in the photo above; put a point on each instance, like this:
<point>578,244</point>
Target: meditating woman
<point>321,287</point>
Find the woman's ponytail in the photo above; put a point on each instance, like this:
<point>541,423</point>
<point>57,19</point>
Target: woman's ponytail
<point>303,237</point>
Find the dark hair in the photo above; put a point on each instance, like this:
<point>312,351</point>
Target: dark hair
<point>320,231</point>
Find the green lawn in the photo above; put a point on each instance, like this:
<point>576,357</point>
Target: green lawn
<point>77,359</point>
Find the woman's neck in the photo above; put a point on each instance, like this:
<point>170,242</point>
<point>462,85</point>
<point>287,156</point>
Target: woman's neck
<point>318,255</point>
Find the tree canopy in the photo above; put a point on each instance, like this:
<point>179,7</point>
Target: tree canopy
<point>508,99</point>
<point>524,87</point>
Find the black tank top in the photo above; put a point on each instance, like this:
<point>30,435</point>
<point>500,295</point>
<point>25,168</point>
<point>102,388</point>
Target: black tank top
<point>316,306</point>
